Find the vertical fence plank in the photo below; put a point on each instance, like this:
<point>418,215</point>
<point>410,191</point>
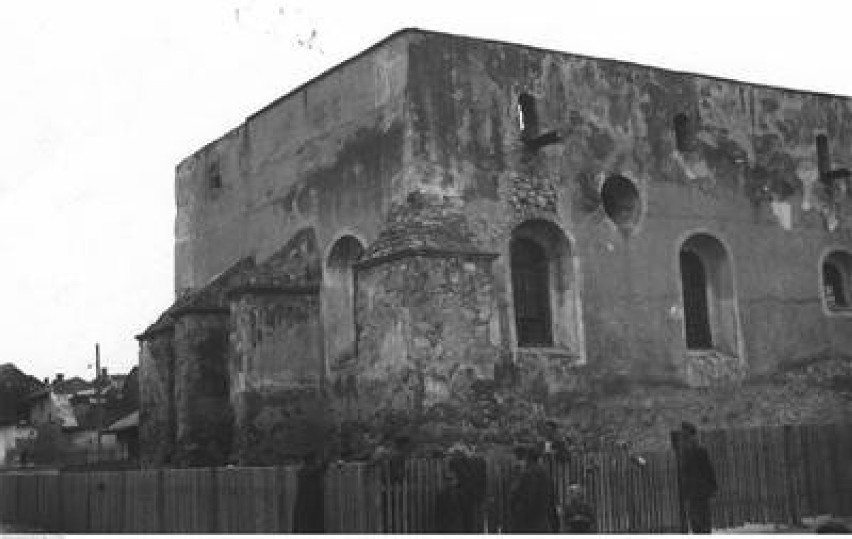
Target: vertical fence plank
<point>141,502</point>
<point>845,455</point>
<point>5,495</point>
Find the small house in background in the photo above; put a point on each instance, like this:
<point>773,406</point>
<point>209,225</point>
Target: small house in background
<point>66,421</point>
<point>50,406</point>
<point>14,426</point>
<point>126,431</point>
<point>12,435</point>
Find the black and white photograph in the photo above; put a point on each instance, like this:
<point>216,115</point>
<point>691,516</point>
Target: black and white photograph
<point>315,266</point>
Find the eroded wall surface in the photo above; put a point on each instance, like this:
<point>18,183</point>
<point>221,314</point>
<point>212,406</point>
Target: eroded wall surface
<point>324,156</point>
<point>204,421</point>
<point>156,397</point>
<point>277,374</point>
<point>427,331</point>
<point>747,176</point>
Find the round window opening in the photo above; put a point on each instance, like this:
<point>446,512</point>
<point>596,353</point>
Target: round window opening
<point>621,201</point>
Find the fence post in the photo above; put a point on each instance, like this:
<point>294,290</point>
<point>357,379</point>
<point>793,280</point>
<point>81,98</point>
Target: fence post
<point>161,502</point>
<point>791,466</point>
<point>676,445</point>
<point>213,517</point>
<point>60,504</point>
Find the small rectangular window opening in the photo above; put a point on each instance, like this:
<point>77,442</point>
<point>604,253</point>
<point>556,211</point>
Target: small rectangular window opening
<point>527,115</point>
<point>823,157</point>
<point>214,176</point>
<point>684,133</point>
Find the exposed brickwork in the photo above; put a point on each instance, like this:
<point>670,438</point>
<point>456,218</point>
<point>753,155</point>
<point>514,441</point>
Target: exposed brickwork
<point>427,332</point>
<point>424,221</point>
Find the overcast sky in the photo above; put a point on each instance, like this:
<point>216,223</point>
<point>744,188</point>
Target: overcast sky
<point>99,100</point>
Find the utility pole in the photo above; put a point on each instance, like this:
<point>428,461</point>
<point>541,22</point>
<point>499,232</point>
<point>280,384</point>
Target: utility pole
<point>98,402</point>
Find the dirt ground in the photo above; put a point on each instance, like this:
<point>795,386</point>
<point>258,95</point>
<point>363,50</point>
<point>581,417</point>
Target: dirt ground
<point>809,525</point>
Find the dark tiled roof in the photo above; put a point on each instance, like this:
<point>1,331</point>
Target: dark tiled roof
<point>295,265</point>
<point>210,296</point>
<point>128,422</point>
<point>424,222</point>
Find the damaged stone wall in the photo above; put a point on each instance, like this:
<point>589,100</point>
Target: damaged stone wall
<point>427,331</point>
<point>203,417</point>
<point>745,176</point>
<point>276,361</point>
<point>326,155</point>
<point>277,375</point>
<point>156,397</point>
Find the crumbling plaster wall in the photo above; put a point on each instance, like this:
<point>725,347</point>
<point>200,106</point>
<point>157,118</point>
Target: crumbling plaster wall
<point>748,180</point>
<point>276,372</point>
<point>203,416</point>
<point>156,402</point>
<point>324,156</point>
<point>427,331</point>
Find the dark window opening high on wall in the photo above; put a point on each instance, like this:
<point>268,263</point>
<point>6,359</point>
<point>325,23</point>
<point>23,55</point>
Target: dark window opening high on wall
<point>684,133</point>
<point>527,115</point>
<point>823,157</point>
<point>214,176</point>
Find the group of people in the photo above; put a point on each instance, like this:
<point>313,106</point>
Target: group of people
<point>533,506</point>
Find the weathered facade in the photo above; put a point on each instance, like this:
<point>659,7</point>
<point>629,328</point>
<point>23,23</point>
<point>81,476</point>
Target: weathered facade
<point>444,233</point>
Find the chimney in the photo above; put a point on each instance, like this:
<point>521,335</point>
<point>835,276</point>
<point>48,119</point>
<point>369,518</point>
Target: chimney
<point>59,378</point>
<point>104,373</point>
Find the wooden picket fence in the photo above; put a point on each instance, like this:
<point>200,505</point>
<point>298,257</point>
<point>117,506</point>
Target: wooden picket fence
<point>766,475</point>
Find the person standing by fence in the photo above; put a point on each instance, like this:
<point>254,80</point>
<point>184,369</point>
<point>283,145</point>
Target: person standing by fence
<point>533,503</point>
<point>469,468</point>
<point>578,515</point>
<point>450,506</point>
<point>309,507</point>
<point>698,479</point>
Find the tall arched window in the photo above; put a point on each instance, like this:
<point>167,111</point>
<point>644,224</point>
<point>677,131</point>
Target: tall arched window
<point>836,278</point>
<point>709,299</point>
<point>835,292</point>
<point>531,292</point>
<point>338,301</point>
<point>695,313</point>
<point>545,294</point>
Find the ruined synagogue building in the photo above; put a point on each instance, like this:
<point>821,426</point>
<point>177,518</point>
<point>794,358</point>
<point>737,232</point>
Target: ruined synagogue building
<point>451,238</point>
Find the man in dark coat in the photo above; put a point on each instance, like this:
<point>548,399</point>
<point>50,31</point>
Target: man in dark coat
<point>450,506</point>
<point>698,479</point>
<point>309,507</point>
<point>578,515</point>
<point>533,503</point>
<point>469,468</point>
